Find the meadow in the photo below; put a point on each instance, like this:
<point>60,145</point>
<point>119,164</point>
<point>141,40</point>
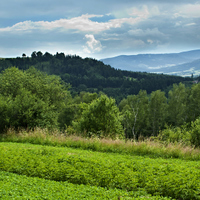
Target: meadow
<point>38,165</point>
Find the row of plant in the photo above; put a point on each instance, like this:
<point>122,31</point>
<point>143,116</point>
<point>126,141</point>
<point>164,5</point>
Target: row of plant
<point>150,148</point>
<point>13,186</point>
<point>166,177</point>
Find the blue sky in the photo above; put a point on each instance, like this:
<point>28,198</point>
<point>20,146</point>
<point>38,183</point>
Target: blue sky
<point>100,28</point>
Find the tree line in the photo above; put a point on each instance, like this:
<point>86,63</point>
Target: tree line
<point>31,98</point>
<point>91,75</point>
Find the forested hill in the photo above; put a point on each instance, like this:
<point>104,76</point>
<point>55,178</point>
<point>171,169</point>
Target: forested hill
<point>92,75</point>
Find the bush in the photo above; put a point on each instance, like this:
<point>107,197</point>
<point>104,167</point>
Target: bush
<point>101,117</point>
<point>30,98</point>
<point>195,133</point>
<point>175,135</point>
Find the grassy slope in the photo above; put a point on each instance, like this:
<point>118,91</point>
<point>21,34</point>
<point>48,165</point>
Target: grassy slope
<point>145,148</point>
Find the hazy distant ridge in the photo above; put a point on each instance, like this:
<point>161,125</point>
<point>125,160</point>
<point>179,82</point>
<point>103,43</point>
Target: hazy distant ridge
<point>183,63</point>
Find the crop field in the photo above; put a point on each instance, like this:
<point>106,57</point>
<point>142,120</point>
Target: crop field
<point>21,187</point>
<point>41,172</point>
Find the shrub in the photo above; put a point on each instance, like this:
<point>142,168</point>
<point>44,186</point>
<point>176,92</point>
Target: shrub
<point>175,135</point>
<point>195,133</point>
<point>102,118</point>
<point>30,98</point>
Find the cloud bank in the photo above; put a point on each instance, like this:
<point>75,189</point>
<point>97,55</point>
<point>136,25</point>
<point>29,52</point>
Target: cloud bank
<point>98,29</point>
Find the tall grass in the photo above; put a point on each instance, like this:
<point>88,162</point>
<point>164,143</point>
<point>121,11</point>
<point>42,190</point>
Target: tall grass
<point>145,148</point>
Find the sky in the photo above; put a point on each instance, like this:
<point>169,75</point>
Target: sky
<point>98,28</point>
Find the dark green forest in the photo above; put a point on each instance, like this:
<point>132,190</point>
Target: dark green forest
<point>91,75</point>
<point>86,97</point>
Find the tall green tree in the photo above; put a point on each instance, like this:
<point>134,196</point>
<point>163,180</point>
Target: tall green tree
<point>74,108</point>
<point>101,117</point>
<point>193,106</point>
<point>135,114</point>
<point>31,98</point>
<point>157,111</point>
<point>177,101</point>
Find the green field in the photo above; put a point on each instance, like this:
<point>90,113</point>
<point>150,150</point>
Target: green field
<point>19,187</point>
<point>44,172</point>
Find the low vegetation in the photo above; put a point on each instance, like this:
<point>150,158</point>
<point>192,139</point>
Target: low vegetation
<point>174,178</point>
<point>150,148</point>
<point>21,187</point>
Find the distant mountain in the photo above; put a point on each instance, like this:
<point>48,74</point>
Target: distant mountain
<point>185,69</point>
<point>182,64</point>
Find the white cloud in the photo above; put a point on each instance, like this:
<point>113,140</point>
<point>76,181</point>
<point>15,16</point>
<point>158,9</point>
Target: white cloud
<point>81,23</point>
<point>188,11</point>
<point>130,27</point>
<point>136,14</point>
<point>150,41</point>
<point>190,24</point>
<point>138,43</point>
<point>92,45</point>
<point>134,43</point>
<point>144,12</point>
<point>148,32</point>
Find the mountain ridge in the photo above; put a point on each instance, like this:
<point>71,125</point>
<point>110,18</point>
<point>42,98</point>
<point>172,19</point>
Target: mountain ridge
<point>167,63</point>
<point>91,75</point>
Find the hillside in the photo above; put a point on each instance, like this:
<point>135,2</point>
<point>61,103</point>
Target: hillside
<point>92,75</point>
<point>185,69</point>
<point>182,64</point>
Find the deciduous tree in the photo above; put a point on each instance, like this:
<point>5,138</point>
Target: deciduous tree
<point>135,114</point>
<point>177,100</point>
<point>157,111</point>
<point>101,117</point>
<point>30,98</point>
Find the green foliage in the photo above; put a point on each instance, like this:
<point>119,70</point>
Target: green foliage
<point>164,177</point>
<point>31,98</point>
<point>193,107</point>
<point>175,135</point>
<point>177,101</point>
<point>144,116</point>
<point>74,108</point>
<point>21,187</point>
<point>101,117</point>
<point>195,132</point>
<point>4,111</point>
<point>85,97</point>
<point>91,75</point>
<point>135,114</point>
<point>157,111</point>
<point>25,110</point>
<point>69,139</point>
<point>187,135</point>
<point>67,116</point>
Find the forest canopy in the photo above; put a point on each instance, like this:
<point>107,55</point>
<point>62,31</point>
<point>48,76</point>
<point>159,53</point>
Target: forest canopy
<point>31,98</point>
<point>92,76</point>
<point>35,97</point>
